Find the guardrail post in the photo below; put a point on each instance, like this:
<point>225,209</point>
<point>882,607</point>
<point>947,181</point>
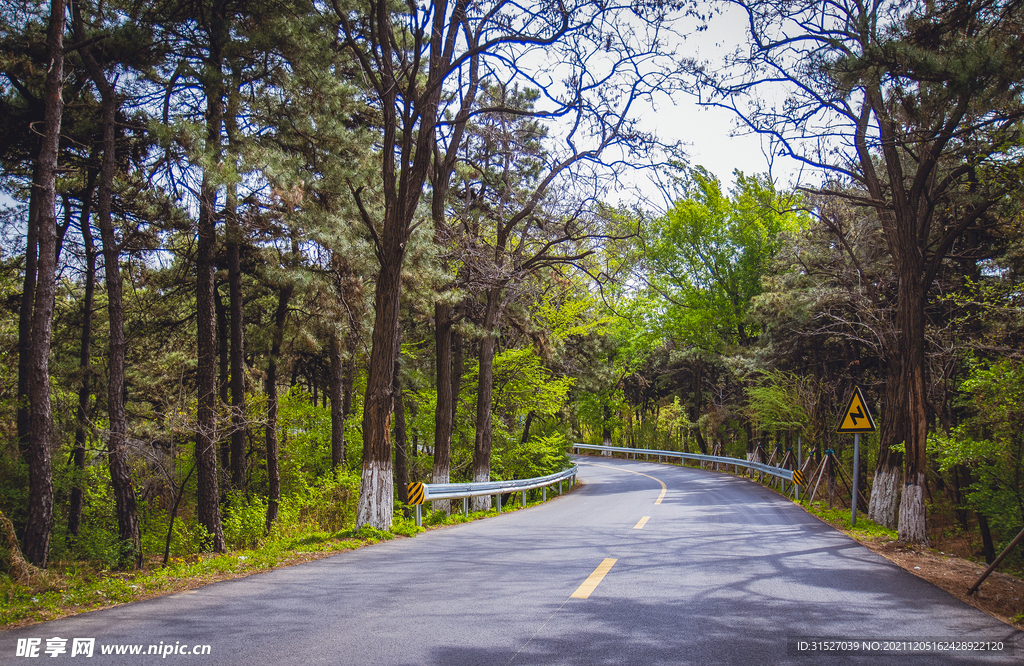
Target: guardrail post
<point>499,502</point>
<point>465,506</point>
<point>544,494</point>
<point>799,461</point>
<point>419,515</point>
<point>559,487</point>
<point>524,498</point>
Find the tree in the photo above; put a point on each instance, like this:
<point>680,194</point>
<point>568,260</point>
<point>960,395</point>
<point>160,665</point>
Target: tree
<point>120,474</point>
<point>990,444</point>
<point>703,263</point>
<point>914,103</point>
<point>284,296</point>
<point>85,360</point>
<point>424,65</point>
<point>40,434</point>
<point>706,256</point>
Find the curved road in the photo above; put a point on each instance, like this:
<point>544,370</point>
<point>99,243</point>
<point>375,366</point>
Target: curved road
<point>722,571</point>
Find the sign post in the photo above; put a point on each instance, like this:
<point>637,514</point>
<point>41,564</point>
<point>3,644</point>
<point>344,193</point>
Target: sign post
<point>856,419</point>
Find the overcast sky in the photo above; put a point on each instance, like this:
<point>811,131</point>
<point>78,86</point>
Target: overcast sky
<point>711,135</point>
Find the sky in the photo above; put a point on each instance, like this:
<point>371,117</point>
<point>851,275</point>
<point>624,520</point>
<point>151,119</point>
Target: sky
<point>711,136</point>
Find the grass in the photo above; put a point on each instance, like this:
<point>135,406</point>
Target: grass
<point>865,529</point>
<point>72,587</point>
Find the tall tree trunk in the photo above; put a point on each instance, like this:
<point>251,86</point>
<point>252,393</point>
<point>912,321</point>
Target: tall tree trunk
<point>223,372</point>
<point>401,440</point>
<point>208,492</point>
<point>910,322</point>
<point>337,380</point>
<point>485,390</point>
<point>117,453</point>
<point>117,444</point>
<point>408,147</point>
<point>273,469</point>
<point>206,435</point>
<point>40,434</point>
<point>84,363</point>
<point>234,240</point>
<point>883,505</point>
<point>376,486</point>
<point>908,221</point>
<point>444,414</point>
<point>28,301</point>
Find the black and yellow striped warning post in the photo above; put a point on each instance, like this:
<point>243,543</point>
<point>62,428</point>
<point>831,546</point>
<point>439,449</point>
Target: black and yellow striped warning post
<point>416,494</point>
<point>798,477</point>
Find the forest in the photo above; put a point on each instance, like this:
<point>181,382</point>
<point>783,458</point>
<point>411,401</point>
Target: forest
<point>264,262</point>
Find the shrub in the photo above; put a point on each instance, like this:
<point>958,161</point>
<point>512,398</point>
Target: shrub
<point>245,524</point>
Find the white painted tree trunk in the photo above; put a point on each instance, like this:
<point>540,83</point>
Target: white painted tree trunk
<point>883,507</point>
<point>441,475</point>
<point>912,513</point>
<point>376,496</point>
<point>483,502</point>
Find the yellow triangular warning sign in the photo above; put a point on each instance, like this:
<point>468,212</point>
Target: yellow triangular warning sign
<point>857,417</point>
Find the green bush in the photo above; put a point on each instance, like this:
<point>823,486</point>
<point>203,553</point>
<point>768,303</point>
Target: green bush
<point>540,456</point>
<point>990,445</point>
<point>246,522</point>
<point>330,503</point>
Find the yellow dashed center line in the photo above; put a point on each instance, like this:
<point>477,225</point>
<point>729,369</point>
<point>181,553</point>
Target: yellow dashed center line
<point>592,581</point>
<point>643,521</point>
<point>664,488</point>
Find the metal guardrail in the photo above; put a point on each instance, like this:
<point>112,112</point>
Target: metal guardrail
<point>782,473</point>
<point>446,491</point>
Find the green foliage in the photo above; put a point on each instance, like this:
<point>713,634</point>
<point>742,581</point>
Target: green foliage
<point>540,456</point>
<point>13,484</point>
<point>305,438</point>
<point>568,313</point>
<point>189,538</point>
<point>523,384</point>
<point>246,520</point>
<point>707,255</point>
<point>990,443</point>
<point>97,539</point>
<point>330,503</point>
<point>776,404</point>
<point>600,411</point>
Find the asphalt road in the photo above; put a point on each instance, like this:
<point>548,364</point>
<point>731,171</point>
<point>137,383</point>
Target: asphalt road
<point>722,572</point>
